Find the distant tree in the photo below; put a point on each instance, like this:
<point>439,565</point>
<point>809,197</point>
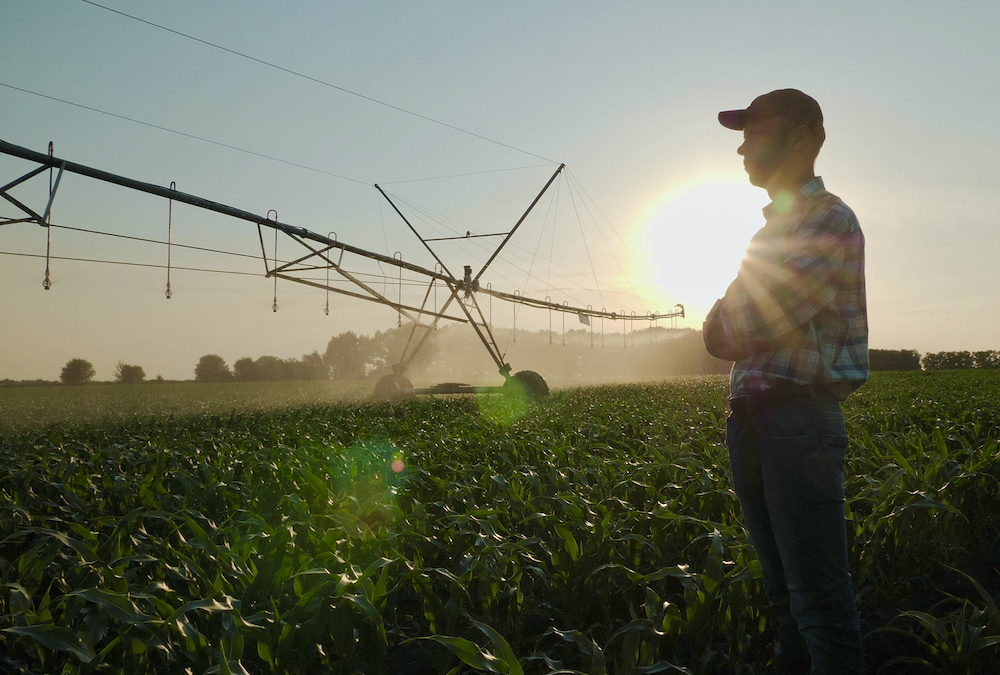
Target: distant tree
<point>960,360</point>
<point>126,374</point>
<point>948,361</point>
<point>77,371</point>
<point>273,369</point>
<point>347,355</point>
<point>244,370</point>
<point>312,367</point>
<point>212,368</point>
<point>988,359</point>
<point>889,359</point>
<point>270,369</point>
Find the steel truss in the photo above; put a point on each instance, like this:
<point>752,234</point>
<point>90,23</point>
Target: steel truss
<point>326,253</point>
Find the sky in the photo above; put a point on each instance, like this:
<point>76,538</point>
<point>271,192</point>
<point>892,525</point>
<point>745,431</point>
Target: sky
<point>462,111</point>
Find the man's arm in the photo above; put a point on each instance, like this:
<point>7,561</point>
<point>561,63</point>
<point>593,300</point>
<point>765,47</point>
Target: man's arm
<point>717,341</point>
<point>774,298</point>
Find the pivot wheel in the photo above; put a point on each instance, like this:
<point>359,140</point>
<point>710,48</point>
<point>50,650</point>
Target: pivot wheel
<point>528,382</point>
<point>393,387</point>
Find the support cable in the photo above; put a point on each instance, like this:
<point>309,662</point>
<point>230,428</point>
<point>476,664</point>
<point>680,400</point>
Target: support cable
<point>157,241</point>
<point>274,307</point>
<point>47,282</point>
<point>549,299</point>
<point>583,238</point>
<point>552,239</point>
<point>565,304</point>
<point>186,135</point>
<point>130,264</point>
<point>553,199</point>
<point>513,330</point>
<point>170,236</point>
<point>425,215</point>
<point>399,291</point>
<point>316,80</point>
<point>635,293</point>
<point>237,148</point>
<point>385,237</point>
<point>326,310</point>
<point>384,277</point>
<point>462,175</point>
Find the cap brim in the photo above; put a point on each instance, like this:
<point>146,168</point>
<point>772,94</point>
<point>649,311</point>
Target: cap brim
<point>733,119</point>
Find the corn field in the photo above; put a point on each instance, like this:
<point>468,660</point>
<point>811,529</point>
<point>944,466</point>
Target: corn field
<point>594,531</point>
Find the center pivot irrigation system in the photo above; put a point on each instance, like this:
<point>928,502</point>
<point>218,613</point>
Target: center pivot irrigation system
<point>321,252</point>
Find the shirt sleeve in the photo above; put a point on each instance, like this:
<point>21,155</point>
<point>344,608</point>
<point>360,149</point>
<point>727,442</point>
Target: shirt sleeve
<point>779,289</point>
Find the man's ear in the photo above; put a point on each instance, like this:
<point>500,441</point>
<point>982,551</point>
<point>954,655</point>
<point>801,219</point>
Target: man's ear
<point>802,137</point>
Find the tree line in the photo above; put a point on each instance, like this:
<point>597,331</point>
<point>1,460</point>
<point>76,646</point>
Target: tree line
<point>454,353</point>
<point>348,356</point>
<point>960,360</point>
<point>213,368</point>
<point>909,359</point>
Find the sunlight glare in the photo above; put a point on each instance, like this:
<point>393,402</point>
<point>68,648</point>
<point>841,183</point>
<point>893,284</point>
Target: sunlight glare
<point>696,235</point>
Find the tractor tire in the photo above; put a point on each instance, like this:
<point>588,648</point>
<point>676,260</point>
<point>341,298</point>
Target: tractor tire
<point>393,388</point>
<point>528,382</point>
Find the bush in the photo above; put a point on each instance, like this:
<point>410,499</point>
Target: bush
<point>948,361</point>
<point>212,368</point>
<point>126,374</point>
<point>77,371</point>
<point>893,359</point>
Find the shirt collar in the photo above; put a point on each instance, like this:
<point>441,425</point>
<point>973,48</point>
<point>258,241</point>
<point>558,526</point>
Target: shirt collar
<point>781,207</point>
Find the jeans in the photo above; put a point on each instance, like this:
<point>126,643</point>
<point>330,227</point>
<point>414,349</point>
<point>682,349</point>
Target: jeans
<point>788,470</point>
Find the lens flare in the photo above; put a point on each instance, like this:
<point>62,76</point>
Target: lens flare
<point>368,481</point>
<point>504,409</point>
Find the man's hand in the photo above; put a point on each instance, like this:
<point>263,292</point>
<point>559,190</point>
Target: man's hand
<point>714,334</point>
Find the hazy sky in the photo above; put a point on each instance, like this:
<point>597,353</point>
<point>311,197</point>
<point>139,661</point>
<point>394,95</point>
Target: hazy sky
<point>654,210</point>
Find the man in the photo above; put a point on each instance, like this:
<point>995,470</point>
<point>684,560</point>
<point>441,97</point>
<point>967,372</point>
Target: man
<point>795,323</point>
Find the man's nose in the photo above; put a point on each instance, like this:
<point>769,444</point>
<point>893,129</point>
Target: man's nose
<point>739,150</point>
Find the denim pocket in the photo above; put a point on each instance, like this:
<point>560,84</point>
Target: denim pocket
<point>788,421</point>
<point>803,470</point>
<point>803,445</point>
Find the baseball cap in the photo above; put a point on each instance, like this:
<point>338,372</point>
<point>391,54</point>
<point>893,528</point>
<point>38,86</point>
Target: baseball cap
<point>790,104</point>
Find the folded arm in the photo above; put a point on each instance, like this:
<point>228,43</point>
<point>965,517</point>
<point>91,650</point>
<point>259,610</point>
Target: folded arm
<point>773,298</point>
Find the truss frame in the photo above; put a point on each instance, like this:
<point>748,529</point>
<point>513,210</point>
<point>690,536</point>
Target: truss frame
<point>462,291</point>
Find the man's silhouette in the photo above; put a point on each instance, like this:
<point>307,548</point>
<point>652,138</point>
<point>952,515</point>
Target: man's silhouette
<point>795,322</point>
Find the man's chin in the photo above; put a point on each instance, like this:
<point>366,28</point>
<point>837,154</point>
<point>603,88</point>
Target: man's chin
<point>755,178</point>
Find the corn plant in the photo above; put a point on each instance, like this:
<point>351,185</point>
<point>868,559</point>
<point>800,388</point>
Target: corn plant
<point>595,531</point>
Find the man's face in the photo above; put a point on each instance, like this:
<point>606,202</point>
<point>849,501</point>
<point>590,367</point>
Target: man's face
<point>767,143</point>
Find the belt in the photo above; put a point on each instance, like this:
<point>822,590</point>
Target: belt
<point>741,405</point>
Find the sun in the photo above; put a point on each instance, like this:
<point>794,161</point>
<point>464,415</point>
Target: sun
<point>695,236</point>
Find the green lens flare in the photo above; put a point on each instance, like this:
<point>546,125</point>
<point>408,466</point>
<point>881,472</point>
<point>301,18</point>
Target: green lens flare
<point>504,409</point>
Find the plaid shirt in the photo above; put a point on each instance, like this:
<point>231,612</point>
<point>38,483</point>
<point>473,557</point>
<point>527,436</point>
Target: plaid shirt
<point>797,310</point>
